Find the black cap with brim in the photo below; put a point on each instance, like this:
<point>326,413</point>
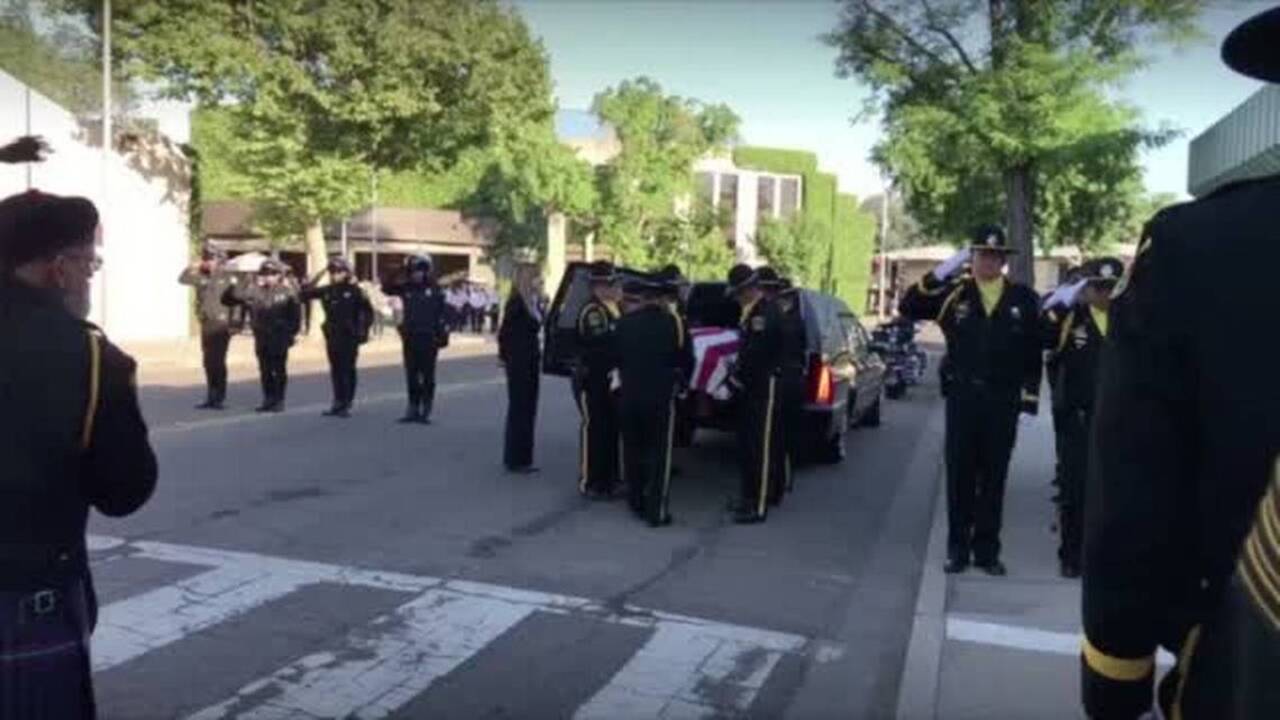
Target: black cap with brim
<point>1253,48</point>
<point>1102,271</point>
<point>602,272</point>
<point>990,238</point>
<point>741,277</point>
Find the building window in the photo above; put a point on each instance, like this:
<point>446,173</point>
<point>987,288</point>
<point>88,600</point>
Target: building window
<point>705,188</point>
<point>728,204</point>
<point>765,188</point>
<point>789,202</point>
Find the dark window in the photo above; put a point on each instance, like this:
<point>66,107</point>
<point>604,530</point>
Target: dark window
<point>789,203</point>
<point>764,196</point>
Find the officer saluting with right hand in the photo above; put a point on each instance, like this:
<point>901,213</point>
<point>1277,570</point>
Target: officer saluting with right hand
<point>211,281</point>
<point>599,442</point>
<point>348,315</point>
<point>71,438</point>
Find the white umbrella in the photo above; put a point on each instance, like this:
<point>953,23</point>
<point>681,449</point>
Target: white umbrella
<point>249,262</point>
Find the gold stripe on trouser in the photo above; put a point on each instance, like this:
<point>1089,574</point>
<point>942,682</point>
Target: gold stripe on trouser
<point>1184,669</point>
<point>584,443</point>
<point>666,472</point>
<point>764,465</point>
<point>95,388</point>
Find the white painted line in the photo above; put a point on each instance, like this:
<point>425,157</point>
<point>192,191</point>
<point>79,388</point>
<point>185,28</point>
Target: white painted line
<point>380,668</point>
<point>1024,638</point>
<point>310,409</point>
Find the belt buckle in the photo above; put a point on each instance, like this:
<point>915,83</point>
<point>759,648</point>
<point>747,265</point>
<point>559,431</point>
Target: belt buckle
<point>44,602</point>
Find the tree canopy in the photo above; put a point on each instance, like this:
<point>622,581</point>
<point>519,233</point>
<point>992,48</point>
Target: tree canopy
<point>1016,92</point>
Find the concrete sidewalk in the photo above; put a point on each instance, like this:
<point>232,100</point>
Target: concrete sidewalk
<point>999,648</point>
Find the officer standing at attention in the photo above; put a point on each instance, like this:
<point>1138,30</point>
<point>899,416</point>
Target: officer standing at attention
<point>675,285</point>
<point>755,382</point>
<point>423,331</point>
<point>210,283</point>
<point>72,438</point>
<point>779,291</point>
<point>1074,328</point>
<point>1186,432</point>
<point>654,360</point>
<point>599,440</point>
<point>991,326</point>
<point>277,318</point>
<point>520,353</point>
<point>348,315</point>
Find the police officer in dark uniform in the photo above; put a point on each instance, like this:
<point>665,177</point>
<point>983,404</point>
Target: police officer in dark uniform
<point>1186,432</point>
<point>792,380</point>
<point>276,317</point>
<point>755,380</point>
<point>210,283</point>
<point>675,287</point>
<point>423,331</point>
<point>72,438</point>
<point>348,315</point>
<point>1071,284</point>
<point>992,331</point>
<point>654,360</point>
<point>1074,327</point>
<point>599,465</point>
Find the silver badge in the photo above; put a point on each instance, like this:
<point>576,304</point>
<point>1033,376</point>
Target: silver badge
<point>1108,272</point>
<point>1016,312</point>
<point>992,240</point>
<point>962,310</point>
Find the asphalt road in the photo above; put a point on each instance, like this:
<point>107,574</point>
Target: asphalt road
<point>300,566</point>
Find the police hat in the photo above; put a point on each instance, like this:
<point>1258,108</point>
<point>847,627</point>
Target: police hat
<point>741,277</point>
<point>418,263</point>
<point>1251,49</point>
<point>646,287</point>
<point>339,264</point>
<point>990,237</point>
<point>769,277</point>
<point>602,271</point>
<point>271,266</point>
<point>1102,270</point>
<point>209,252</point>
<point>36,225</point>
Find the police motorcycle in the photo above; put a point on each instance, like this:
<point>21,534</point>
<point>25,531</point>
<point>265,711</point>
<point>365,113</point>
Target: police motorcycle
<point>895,341</point>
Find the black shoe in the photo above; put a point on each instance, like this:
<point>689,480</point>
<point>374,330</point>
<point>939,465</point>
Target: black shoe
<point>995,568</point>
<point>209,405</point>
<point>409,418</point>
<point>602,495</point>
<point>264,407</point>
<point>747,517</point>
<point>423,420</point>
<point>955,566</point>
<point>523,470</point>
<point>1069,569</point>
<point>331,412</point>
<point>276,408</point>
<point>661,523</point>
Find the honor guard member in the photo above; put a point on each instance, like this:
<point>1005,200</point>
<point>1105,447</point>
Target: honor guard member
<point>755,380</point>
<point>792,379</point>
<point>276,319</point>
<point>675,287</point>
<point>348,315</point>
<point>72,438</point>
<point>210,282</point>
<point>1056,301</point>
<point>654,361</point>
<point>992,331</point>
<point>1073,328</point>
<point>1186,431</point>
<point>423,331</point>
<point>599,440</point>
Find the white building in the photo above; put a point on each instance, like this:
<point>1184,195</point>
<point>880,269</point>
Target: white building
<point>749,197</point>
<point>142,191</point>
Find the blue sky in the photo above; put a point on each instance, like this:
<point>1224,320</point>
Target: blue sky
<point>764,59</point>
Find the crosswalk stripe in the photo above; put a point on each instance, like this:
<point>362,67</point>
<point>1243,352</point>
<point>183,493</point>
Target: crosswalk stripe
<point>371,677</point>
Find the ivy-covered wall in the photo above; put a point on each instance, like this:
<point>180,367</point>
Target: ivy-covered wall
<point>851,243</point>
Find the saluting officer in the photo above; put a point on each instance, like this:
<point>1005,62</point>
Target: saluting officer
<point>1186,431</point>
<point>72,438</point>
<point>755,379</point>
<point>348,315</point>
<point>423,331</point>
<point>1074,327</point>
<point>210,282</point>
<point>654,360</point>
<point>792,379</point>
<point>991,326</point>
<point>599,440</point>
<point>276,319</point>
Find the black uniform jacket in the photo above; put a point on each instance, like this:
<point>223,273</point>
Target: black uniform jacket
<point>424,308</point>
<point>518,335</point>
<point>1074,342</point>
<point>597,325</point>
<point>1186,428</point>
<point>277,314</point>
<point>1001,352</point>
<point>71,435</point>
<point>761,354</point>
<point>348,314</point>
<point>652,355</point>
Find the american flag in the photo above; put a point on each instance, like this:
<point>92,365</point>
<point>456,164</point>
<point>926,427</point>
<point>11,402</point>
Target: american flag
<point>714,351</point>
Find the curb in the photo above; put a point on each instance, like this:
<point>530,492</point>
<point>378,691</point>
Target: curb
<point>922,669</point>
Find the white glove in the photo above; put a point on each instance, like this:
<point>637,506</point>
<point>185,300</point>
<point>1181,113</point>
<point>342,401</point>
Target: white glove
<point>1066,295</point>
<point>951,265</point>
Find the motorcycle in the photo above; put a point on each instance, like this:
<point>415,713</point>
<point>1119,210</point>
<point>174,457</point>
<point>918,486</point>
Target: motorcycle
<point>905,362</point>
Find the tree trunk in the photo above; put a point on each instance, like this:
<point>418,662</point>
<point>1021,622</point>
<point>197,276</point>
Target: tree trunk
<point>317,258</point>
<point>1020,195</point>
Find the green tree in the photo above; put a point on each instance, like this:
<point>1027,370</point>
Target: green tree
<point>1014,90</point>
<point>796,247</point>
<point>661,136</point>
<point>695,242</point>
<point>904,230</point>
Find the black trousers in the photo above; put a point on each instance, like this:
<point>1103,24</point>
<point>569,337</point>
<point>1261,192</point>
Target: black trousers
<point>982,426</point>
<point>791,434</point>
<point>213,348</point>
<point>1073,444</point>
<point>274,374</point>
<point>598,441</point>
<point>648,429</point>
<point>344,353</point>
<point>522,411</point>
<point>420,353</point>
<point>44,654</point>
<point>761,461</point>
